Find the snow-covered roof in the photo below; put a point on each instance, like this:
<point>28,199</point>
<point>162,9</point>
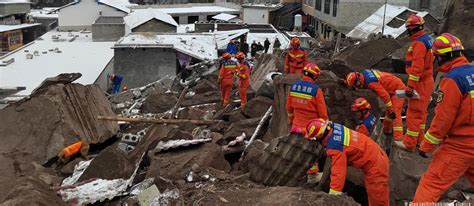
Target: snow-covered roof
<point>199,9</point>
<point>224,17</point>
<point>185,28</point>
<point>298,34</point>
<point>44,13</point>
<point>78,55</point>
<point>138,17</point>
<point>201,46</point>
<point>4,28</point>
<point>14,1</point>
<point>373,24</point>
<point>223,37</point>
<point>263,6</point>
<point>121,5</point>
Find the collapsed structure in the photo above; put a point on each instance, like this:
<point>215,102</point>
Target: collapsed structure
<point>203,154</point>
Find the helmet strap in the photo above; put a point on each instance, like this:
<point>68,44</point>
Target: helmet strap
<point>413,30</point>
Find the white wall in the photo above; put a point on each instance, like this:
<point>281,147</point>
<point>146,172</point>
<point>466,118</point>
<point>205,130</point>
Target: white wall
<point>83,14</point>
<point>256,15</point>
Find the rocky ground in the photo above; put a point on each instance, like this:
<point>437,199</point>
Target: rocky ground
<point>190,163</point>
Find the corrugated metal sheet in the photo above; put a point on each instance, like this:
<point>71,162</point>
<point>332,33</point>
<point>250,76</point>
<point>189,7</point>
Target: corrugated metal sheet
<point>373,24</point>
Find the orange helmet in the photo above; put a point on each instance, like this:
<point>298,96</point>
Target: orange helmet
<point>226,55</point>
<point>414,21</point>
<point>312,68</point>
<point>240,55</point>
<point>353,79</point>
<point>446,43</point>
<point>360,104</point>
<point>125,88</point>
<point>295,42</point>
<point>316,128</point>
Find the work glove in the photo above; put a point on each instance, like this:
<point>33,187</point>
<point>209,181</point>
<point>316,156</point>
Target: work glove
<point>409,92</point>
<point>391,114</point>
<point>332,192</point>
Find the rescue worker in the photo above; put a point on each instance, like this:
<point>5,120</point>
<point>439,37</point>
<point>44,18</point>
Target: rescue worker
<point>384,85</point>
<point>295,59</point>
<point>453,124</point>
<point>305,100</point>
<point>116,82</point>
<point>81,147</point>
<point>225,79</point>
<point>367,121</point>
<point>243,72</point>
<point>419,67</point>
<point>348,147</point>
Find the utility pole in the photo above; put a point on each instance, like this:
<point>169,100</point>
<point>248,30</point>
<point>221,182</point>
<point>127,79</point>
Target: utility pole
<point>383,20</point>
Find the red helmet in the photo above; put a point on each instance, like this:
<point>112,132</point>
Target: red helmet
<point>112,76</point>
<point>316,128</point>
<point>361,104</point>
<point>240,55</point>
<point>226,55</point>
<point>312,68</point>
<point>353,79</point>
<point>446,43</point>
<point>295,42</point>
<point>414,21</point>
<point>125,88</point>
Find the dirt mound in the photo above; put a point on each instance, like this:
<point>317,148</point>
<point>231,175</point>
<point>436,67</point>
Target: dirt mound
<point>49,121</point>
<point>242,194</point>
<point>31,191</point>
<point>177,164</point>
<point>367,54</point>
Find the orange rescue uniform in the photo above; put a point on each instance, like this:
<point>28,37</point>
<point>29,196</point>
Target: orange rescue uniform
<point>419,67</point>
<point>72,149</point>
<point>295,60</point>
<point>348,147</point>
<point>453,126</point>
<point>367,125</point>
<point>385,85</point>
<point>305,101</point>
<point>243,73</point>
<point>226,75</point>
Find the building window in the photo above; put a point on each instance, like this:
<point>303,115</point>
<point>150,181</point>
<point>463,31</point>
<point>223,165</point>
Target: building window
<point>192,19</point>
<point>318,5</point>
<point>424,4</point>
<point>176,18</point>
<point>327,6</point>
<point>334,7</point>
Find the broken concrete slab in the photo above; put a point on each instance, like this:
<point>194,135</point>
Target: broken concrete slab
<point>246,126</point>
<point>204,86</point>
<point>64,78</point>
<point>112,163</point>
<point>367,54</point>
<point>159,102</point>
<point>147,195</point>
<point>257,107</point>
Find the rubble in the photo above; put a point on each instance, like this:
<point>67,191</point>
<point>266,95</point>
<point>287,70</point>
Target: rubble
<point>366,54</point>
<point>50,120</point>
<point>173,144</point>
<point>257,106</point>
